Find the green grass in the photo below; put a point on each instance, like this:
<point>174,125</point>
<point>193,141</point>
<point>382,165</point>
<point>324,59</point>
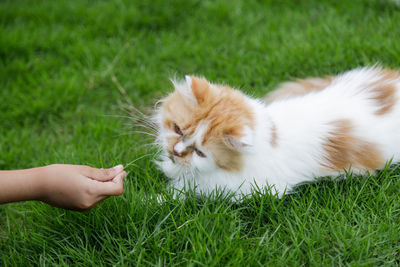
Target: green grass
<point>58,60</point>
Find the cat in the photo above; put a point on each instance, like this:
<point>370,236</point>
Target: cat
<point>212,136</point>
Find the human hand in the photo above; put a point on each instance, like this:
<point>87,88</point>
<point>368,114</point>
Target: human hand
<point>78,187</point>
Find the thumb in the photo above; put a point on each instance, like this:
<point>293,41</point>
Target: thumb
<point>115,187</point>
<point>101,174</point>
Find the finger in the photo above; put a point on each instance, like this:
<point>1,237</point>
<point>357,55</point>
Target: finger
<point>101,174</point>
<point>115,187</point>
<point>98,200</point>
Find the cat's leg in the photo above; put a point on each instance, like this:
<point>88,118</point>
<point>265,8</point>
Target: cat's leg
<point>299,87</point>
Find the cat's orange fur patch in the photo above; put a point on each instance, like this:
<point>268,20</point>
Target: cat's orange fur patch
<point>385,96</point>
<point>384,90</point>
<point>344,150</point>
<point>224,110</point>
<point>299,87</point>
<point>274,135</point>
<point>225,157</point>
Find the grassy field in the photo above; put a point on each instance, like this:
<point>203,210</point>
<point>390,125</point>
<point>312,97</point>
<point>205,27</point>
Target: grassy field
<point>63,71</point>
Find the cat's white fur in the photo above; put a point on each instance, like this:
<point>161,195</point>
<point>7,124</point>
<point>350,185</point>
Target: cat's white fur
<point>302,125</point>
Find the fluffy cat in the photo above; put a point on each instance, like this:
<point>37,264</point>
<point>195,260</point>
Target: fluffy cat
<point>212,136</point>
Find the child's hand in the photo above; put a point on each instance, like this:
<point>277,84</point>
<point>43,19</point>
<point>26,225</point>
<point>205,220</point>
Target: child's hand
<point>79,187</point>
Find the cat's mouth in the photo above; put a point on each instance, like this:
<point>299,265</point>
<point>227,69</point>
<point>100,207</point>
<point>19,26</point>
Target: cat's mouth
<point>179,161</point>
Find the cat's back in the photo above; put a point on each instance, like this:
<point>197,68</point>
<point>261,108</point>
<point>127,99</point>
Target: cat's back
<point>371,88</point>
<point>362,103</point>
<point>376,82</point>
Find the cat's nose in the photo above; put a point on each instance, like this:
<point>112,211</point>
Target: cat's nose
<point>179,149</point>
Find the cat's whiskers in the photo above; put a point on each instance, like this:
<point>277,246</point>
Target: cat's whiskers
<point>145,127</point>
<point>117,116</point>
<point>143,119</point>
<point>138,132</point>
<point>149,127</point>
<point>138,118</point>
<point>127,134</point>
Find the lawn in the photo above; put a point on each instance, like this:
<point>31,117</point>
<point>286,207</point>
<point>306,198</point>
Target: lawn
<point>67,70</point>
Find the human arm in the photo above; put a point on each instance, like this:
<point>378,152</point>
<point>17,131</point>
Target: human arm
<point>75,187</point>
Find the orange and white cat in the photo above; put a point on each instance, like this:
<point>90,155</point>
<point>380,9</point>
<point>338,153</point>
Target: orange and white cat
<point>212,136</point>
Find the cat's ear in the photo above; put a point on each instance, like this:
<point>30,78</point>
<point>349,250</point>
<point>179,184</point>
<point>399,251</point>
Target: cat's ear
<point>193,89</point>
<point>239,141</point>
<point>196,89</point>
<point>199,87</point>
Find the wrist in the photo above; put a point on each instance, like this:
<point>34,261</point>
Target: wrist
<point>40,182</point>
<point>23,185</point>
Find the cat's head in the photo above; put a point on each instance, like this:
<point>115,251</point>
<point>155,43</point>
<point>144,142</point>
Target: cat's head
<point>203,127</point>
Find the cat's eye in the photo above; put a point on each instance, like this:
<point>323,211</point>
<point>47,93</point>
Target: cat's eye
<point>177,129</point>
<point>199,153</point>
